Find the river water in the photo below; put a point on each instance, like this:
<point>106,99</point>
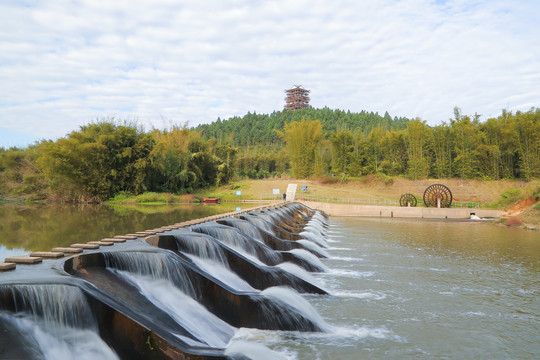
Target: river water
<point>401,288</point>
<point>41,227</point>
<point>423,290</point>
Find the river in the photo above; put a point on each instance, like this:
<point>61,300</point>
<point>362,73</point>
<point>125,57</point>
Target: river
<point>40,227</point>
<point>400,288</point>
<point>424,290</point>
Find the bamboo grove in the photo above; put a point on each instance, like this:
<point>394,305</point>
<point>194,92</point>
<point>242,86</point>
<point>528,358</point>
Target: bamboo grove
<point>105,158</point>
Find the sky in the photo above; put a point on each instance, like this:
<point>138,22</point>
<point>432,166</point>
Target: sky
<point>64,64</point>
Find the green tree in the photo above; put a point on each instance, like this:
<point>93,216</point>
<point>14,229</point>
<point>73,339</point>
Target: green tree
<point>417,139</point>
<point>467,139</point>
<point>373,148</point>
<point>441,149</point>
<point>302,139</point>
<point>527,130</point>
<point>342,150</point>
<point>98,161</point>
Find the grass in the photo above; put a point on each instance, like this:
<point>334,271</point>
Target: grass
<point>150,198</point>
<point>493,194</point>
<point>509,197</point>
<point>378,187</point>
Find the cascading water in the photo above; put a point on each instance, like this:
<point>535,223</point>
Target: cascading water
<point>166,292</point>
<point>259,222</point>
<point>222,273</point>
<point>192,316</point>
<point>317,239</point>
<point>188,242</point>
<point>237,240</point>
<point>313,247</point>
<point>200,245</point>
<point>299,272</point>
<point>156,265</point>
<point>289,299</point>
<point>245,227</point>
<point>309,257</point>
<point>56,322</point>
<point>208,256</point>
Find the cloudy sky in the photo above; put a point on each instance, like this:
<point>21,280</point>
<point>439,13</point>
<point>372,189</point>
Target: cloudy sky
<point>160,62</point>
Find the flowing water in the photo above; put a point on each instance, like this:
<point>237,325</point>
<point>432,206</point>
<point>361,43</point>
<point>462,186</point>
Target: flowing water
<point>399,289</point>
<point>422,290</point>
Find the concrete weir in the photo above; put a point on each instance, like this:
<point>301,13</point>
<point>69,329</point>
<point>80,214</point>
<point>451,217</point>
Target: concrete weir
<point>177,292</point>
<point>400,212</point>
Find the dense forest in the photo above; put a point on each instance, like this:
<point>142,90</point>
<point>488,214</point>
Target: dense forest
<point>108,157</point>
<point>356,144</point>
<point>253,129</point>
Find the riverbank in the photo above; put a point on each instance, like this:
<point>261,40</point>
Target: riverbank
<point>514,198</point>
<point>517,199</point>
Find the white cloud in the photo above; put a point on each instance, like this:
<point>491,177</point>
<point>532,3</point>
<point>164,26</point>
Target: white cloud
<point>63,64</point>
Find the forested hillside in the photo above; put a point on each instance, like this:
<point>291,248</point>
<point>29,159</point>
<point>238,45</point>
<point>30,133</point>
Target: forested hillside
<point>105,158</point>
<point>253,129</point>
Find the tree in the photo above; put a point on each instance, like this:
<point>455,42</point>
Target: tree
<point>417,135</point>
<point>527,130</point>
<point>467,138</point>
<point>302,139</point>
<point>342,149</point>
<point>441,148</point>
<point>98,161</point>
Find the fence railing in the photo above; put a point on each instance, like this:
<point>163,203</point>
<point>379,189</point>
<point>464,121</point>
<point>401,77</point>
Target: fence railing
<point>369,202</point>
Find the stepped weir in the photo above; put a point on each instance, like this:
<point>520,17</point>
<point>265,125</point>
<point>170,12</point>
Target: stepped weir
<point>177,292</point>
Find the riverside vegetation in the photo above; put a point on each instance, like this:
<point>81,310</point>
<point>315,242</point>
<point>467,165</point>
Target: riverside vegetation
<point>109,158</point>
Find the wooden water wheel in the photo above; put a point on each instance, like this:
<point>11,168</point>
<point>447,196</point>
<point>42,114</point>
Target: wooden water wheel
<point>437,195</point>
<point>408,200</point>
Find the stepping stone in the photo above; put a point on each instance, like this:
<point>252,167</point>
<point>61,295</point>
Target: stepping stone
<point>135,235</point>
<point>126,237</point>
<point>48,254</point>
<point>113,240</point>
<point>85,246</point>
<point>24,259</point>
<point>101,243</point>
<point>7,266</point>
<point>66,250</point>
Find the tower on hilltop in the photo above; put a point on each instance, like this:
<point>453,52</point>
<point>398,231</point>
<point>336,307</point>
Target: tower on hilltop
<point>297,98</point>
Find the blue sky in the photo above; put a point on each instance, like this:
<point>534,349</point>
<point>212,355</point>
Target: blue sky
<point>160,62</point>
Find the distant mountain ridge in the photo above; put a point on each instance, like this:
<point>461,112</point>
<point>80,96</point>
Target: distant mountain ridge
<point>253,128</point>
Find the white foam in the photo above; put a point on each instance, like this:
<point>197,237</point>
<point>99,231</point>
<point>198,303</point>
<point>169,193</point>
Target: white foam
<point>64,342</point>
<point>255,351</point>
<point>360,295</point>
<point>346,258</point>
<point>350,273</point>
<point>313,247</point>
<point>292,299</point>
<point>299,272</point>
<point>309,257</point>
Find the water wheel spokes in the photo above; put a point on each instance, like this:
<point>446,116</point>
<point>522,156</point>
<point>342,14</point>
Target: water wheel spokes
<point>438,195</point>
<point>408,200</point>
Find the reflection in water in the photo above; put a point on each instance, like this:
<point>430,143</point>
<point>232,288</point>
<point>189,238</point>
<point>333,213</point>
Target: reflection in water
<point>40,227</point>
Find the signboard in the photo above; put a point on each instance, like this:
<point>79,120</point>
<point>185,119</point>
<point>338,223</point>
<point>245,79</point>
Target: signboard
<point>238,192</point>
<point>304,188</point>
<point>275,191</point>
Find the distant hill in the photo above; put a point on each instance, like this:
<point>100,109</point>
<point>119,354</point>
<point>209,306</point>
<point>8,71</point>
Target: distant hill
<point>253,129</point>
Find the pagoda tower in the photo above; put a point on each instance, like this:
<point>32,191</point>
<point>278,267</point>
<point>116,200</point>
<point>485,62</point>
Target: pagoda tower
<point>297,98</point>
